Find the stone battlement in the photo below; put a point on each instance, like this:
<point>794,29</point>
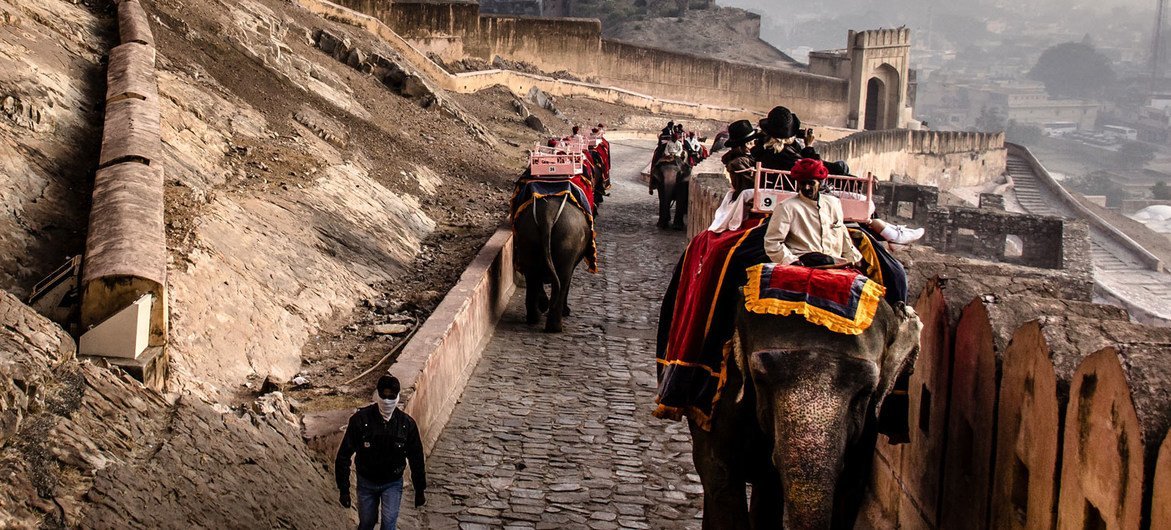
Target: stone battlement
<point>881,38</point>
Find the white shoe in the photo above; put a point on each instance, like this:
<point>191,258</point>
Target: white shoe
<point>901,235</point>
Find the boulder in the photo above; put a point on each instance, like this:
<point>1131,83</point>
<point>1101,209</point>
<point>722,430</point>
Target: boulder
<point>534,123</point>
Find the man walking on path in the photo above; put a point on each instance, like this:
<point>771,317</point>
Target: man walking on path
<point>385,439</point>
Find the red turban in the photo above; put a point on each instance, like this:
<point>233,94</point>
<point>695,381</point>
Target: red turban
<point>809,169</point>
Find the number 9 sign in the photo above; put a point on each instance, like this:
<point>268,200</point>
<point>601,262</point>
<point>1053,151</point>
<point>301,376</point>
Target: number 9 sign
<point>768,202</point>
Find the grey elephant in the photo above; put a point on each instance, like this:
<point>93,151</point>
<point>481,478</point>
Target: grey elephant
<point>669,178</point>
<point>797,418</point>
<point>551,238</point>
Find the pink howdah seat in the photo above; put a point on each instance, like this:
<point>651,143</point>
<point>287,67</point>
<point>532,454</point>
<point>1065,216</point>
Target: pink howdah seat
<point>775,186</point>
<point>562,161</point>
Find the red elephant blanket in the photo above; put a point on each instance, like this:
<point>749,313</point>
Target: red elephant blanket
<point>698,316</point>
<point>841,300</point>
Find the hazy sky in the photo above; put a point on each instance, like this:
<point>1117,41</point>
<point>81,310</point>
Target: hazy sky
<point>823,24</point>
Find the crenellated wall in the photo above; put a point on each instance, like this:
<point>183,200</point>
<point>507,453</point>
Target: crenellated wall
<point>934,158</point>
<point>668,74</point>
<point>519,83</point>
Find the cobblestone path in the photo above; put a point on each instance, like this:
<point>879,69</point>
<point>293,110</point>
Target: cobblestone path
<point>555,431</point>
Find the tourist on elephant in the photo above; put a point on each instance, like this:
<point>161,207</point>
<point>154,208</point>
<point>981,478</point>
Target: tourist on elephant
<point>665,134</point>
<point>809,229</point>
<point>674,148</point>
<point>738,160</point>
<point>385,439</point>
<point>785,142</point>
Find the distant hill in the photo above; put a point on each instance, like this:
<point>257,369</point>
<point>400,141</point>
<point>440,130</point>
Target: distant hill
<point>690,26</point>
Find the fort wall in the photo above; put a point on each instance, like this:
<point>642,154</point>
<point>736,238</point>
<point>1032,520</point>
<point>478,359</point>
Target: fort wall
<point>577,46</point>
<point>935,158</point>
<point>519,83</point>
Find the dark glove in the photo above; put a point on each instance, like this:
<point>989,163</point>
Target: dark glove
<point>420,499</point>
<point>344,499</point>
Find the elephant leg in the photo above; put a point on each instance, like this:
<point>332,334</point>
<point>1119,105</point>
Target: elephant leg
<point>536,302</point>
<point>664,207</point>
<point>681,192</point>
<point>559,308</point>
<point>767,507</point>
<point>725,498</point>
<point>856,474</point>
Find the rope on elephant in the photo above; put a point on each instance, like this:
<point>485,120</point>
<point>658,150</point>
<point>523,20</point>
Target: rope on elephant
<point>578,192</point>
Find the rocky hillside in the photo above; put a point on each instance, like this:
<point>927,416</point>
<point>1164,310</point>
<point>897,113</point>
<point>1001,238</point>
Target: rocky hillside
<point>698,27</point>
<point>316,187</point>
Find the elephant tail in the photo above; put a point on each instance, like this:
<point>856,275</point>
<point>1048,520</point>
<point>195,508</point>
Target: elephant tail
<point>548,220</point>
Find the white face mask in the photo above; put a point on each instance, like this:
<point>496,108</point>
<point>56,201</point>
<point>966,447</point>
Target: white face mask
<point>385,406</point>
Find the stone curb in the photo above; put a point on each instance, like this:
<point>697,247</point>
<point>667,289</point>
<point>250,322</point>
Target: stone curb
<point>435,365</point>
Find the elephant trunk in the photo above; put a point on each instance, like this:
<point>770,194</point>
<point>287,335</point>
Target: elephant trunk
<point>810,442</point>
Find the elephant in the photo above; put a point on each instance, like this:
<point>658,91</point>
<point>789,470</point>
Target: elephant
<point>669,178</point>
<point>798,418</point>
<point>598,178</point>
<point>549,242</point>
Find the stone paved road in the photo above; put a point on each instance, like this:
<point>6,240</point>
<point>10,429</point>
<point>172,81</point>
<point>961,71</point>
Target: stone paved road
<point>555,431</point>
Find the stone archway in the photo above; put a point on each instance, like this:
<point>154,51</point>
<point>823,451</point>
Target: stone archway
<point>882,99</point>
<point>875,110</point>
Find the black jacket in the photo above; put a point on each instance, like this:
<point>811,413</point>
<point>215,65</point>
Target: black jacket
<point>784,159</point>
<point>383,449</point>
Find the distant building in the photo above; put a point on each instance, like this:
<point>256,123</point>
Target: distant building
<point>962,105</point>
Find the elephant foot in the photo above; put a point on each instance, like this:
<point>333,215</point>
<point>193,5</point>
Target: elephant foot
<point>678,226</point>
<point>565,311</point>
<point>554,327</point>
<point>532,318</point>
<point>662,225</point>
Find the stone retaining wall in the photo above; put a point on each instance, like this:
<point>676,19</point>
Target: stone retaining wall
<point>576,45</point>
<point>125,252</point>
<point>435,366</point>
<point>1045,179</point>
<point>936,158</point>
<point>518,83</point>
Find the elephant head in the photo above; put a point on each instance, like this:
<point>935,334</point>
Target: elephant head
<point>816,395</point>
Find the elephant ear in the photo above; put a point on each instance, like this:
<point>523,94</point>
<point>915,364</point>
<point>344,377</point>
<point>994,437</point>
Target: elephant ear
<point>902,346</point>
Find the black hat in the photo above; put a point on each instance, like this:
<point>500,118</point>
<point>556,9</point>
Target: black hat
<point>740,133</point>
<point>781,123</point>
<point>389,382</point>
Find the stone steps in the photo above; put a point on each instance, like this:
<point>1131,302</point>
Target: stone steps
<point>1114,266</point>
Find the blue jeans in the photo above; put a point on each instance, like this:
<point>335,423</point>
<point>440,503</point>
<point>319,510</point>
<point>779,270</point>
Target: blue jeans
<point>370,495</point>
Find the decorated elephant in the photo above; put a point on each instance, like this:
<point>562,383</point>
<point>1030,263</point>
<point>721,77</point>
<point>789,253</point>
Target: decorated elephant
<point>669,177</point>
<point>797,417</point>
<point>552,235</point>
